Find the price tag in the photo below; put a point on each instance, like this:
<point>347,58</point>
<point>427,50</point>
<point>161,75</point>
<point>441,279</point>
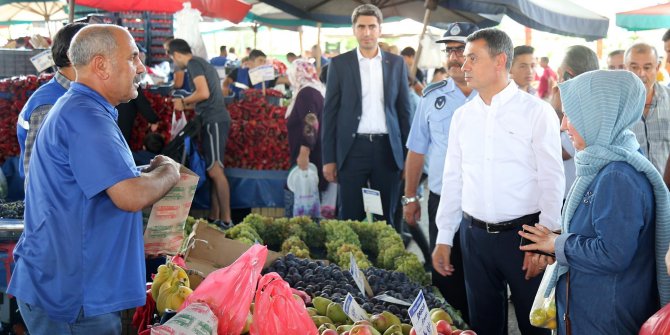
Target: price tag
<point>43,60</point>
<point>420,316</point>
<point>353,310</point>
<point>388,298</point>
<point>261,74</point>
<point>372,201</point>
<point>356,273</point>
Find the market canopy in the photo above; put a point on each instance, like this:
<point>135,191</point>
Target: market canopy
<point>337,13</point>
<point>231,10</point>
<point>562,17</point>
<point>16,12</point>
<point>654,17</point>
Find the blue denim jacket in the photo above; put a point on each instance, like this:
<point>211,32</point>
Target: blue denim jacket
<point>610,252</point>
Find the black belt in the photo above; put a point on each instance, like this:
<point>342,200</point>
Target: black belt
<point>505,225</point>
<point>371,137</point>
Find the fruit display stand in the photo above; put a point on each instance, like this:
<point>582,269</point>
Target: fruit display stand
<point>314,260</point>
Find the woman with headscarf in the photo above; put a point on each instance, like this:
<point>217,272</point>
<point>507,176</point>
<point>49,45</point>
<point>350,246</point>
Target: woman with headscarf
<point>616,219</point>
<point>303,118</point>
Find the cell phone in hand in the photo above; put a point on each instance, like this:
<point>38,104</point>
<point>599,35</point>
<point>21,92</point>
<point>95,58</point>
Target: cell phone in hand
<point>527,242</point>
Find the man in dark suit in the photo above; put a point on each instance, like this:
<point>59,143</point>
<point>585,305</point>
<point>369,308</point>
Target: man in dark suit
<point>365,119</point>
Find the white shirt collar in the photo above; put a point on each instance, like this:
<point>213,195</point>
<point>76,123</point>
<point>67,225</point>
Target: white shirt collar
<point>361,57</point>
<point>505,95</point>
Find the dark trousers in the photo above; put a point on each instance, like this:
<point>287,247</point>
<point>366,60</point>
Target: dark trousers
<point>452,287</point>
<point>414,231</point>
<point>368,164</point>
<point>491,262</point>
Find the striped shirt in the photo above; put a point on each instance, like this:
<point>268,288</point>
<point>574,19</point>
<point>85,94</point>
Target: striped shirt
<point>653,131</point>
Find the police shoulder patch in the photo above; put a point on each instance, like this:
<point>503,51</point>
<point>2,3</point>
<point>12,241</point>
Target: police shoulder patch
<point>440,102</point>
<point>433,87</point>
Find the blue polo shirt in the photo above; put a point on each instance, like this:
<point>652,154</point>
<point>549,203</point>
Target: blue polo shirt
<point>78,249</point>
<point>430,126</point>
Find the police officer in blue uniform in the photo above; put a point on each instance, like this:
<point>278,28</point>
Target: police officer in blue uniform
<point>429,136</point>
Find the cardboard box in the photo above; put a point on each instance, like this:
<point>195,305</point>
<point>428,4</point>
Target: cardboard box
<point>164,234</point>
<point>210,250</point>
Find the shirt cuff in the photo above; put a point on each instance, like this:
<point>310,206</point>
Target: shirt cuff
<point>445,237</point>
<point>559,248</point>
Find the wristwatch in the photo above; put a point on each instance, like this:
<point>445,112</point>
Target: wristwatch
<point>408,200</point>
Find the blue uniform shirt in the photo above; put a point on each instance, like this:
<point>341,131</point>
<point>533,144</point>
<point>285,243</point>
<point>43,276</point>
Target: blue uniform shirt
<point>218,61</point>
<point>78,250</point>
<point>430,126</point>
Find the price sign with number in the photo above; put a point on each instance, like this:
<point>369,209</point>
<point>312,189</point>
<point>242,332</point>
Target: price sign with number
<point>420,316</point>
<point>353,310</point>
<point>356,273</point>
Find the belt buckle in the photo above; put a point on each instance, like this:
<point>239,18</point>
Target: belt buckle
<point>488,230</point>
<point>371,137</point>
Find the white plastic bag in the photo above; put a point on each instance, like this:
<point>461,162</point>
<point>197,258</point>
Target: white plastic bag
<point>305,187</point>
<point>329,202</point>
<point>431,56</point>
<point>543,311</point>
<point>178,123</point>
<point>197,318</point>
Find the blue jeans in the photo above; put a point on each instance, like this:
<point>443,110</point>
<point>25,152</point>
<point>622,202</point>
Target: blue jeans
<point>38,322</point>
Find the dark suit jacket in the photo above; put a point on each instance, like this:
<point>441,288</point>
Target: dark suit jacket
<point>343,106</point>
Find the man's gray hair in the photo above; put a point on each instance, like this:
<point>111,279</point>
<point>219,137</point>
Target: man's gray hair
<point>498,42</point>
<point>92,40</point>
<point>580,59</point>
<point>367,10</point>
<point>640,48</point>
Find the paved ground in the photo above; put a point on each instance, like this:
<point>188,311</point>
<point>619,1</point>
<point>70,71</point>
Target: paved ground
<point>512,325</point>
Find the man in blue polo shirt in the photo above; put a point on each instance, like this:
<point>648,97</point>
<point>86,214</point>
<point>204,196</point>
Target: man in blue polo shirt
<point>429,135</point>
<point>80,259</point>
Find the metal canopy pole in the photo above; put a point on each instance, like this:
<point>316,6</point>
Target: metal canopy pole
<point>71,13</point>
<point>430,5</point>
<point>317,57</point>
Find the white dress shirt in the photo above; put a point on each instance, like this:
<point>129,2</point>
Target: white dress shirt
<point>373,119</point>
<point>503,162</point>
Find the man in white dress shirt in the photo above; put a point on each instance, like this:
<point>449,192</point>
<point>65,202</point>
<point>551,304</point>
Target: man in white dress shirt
<point>503,169</point>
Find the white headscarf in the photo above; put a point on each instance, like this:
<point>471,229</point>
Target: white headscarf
<point>302,74</point>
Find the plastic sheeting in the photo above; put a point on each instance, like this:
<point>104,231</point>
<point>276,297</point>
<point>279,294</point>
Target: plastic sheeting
<point>186,27</point>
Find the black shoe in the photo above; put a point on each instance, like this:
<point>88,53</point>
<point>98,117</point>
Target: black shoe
<point>223,225</point>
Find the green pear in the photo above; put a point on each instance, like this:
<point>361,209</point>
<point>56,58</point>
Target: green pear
<point>321,305</point>
<point>247,324</point>
<point>319,320</point>
<point>405,328</point>
<point>437,314</point>
<point>383,321</point>
<point>336,313</point>
<point>325,326</point>
<point>394,330</point>
<point>312,311</point>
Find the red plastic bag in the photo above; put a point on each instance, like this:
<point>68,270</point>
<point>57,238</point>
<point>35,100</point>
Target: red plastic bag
<point>657,324</point>
<point>229,291</point>
<point>277,311</point>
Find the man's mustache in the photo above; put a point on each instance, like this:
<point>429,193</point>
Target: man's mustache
<point>454,63</point>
